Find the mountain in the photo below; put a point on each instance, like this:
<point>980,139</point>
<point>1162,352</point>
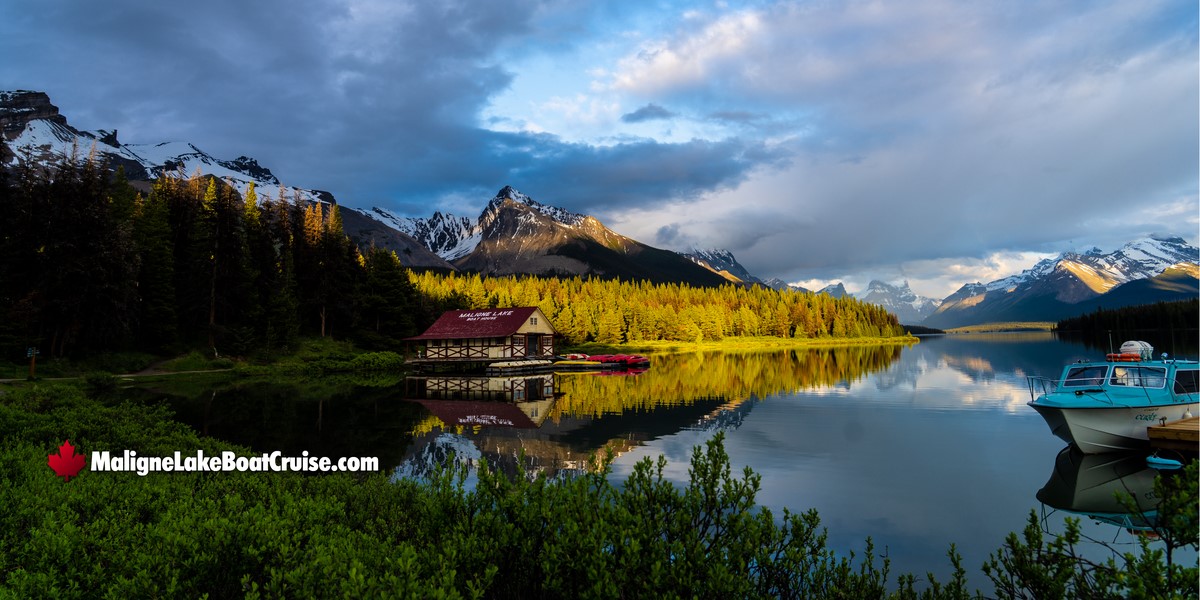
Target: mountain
<point>776,283</point>
<point>899,300</point>
<point>448,236</point>
<point>722,263</point>
<point>367,232</point>
<point>1143,271</point>
<point>1177,282</point>
<point>35,130</point>
<point>836,290</point>
<point>517,235</point>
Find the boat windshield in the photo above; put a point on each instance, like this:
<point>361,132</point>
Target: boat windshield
<point>1083,376</point>
<point>1187,382</point>
<point>1145,377</point>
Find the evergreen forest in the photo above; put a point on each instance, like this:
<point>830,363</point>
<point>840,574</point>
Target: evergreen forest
<point>89,264</point>
<point>1170,326</point>
<point>1179,315</point>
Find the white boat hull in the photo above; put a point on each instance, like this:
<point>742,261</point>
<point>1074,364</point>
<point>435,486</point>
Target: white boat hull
<point>1096,430</point>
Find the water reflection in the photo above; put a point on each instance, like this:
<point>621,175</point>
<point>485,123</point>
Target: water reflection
<point>581,414</point>
<point>523,402</point>
<point>333,416</point>
<point>1092,485</point>
<point>916,446</point>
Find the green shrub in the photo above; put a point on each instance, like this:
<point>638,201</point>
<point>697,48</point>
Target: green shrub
<point>274,535</point>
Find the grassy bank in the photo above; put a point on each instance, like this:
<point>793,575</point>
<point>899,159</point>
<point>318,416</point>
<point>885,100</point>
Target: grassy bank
<point>734,343</point>
<point>316,356</point>
<point>313,356</point>
<point>1005,327</point>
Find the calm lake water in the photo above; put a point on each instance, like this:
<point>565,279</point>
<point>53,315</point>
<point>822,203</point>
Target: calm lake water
<point>915,446</point>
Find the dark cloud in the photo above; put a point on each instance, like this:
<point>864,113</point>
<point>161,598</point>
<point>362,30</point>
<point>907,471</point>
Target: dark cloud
<point>649,112</point>
<point>607,179</point>
<point>668,236</point>
<point>376,102</point>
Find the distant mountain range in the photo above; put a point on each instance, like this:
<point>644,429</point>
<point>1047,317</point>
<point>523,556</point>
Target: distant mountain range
<point>516,235</point>
<point>1154,269</point>
<point>900,300</point>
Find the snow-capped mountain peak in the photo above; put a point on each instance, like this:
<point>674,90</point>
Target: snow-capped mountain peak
<point>453,237</point>
<point>508,193</point>
<point>722,262</point>
<point>35,130</point>
<point>899,300</point>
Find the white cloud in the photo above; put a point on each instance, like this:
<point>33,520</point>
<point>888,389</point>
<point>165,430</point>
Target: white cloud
<point>688,59</point>
<point>981,132</point>
<point>581,109</point>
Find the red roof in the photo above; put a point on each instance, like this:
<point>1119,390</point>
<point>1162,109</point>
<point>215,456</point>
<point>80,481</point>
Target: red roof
<point>484,323</point>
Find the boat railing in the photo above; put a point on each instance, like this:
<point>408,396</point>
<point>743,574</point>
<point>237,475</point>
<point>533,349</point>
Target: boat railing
<point>1040,386</point>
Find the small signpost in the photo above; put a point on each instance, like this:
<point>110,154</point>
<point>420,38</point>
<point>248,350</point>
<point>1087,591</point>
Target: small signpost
<point>31,353</point>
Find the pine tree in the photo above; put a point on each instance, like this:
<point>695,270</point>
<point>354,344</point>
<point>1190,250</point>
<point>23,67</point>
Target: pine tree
<point>252,215</point>
<point>157,322</point>
<point>385,301</point>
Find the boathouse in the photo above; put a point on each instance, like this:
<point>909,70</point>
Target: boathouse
<point>487,335</point>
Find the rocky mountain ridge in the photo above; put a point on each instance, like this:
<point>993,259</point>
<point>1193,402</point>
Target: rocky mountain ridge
<point>899,300</point>
<point>1063,286</point>
<point>34,130</point>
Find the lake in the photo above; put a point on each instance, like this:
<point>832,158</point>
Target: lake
<point>915,446</point>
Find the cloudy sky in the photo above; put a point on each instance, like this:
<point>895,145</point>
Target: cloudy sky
<point>936,141</point>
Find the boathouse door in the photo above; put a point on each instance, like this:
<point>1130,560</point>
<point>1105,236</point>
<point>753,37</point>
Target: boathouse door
<point>533,344</point>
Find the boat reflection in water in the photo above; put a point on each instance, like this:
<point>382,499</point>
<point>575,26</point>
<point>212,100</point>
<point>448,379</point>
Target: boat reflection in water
<point>1088,484</point>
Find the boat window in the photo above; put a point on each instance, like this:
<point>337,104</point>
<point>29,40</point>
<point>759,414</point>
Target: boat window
<point>1186,382</point>
<point>1085,376</point>
<point>1146,377</point>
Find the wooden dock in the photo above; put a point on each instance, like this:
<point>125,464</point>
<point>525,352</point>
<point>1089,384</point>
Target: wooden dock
<point>1182,435</point>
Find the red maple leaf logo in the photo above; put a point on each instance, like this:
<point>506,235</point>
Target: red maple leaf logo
<point>66,463</point>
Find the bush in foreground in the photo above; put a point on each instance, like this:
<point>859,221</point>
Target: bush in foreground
<point>285,535</point>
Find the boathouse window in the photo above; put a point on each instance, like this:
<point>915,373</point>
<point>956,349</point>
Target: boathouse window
<point>1146,377</point>
<point>1085,376</point>
<point>437,342</point>
<point>1186,382</point>
<point>533,320</point>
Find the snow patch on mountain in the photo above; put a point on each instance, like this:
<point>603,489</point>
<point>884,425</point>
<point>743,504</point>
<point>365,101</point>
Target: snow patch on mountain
<point>720,260</point>
<point>900,300</point>
<point>453,237</point>
<point>446,235</point>
<point>46,141</point>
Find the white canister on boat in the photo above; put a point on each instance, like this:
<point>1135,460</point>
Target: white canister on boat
<point>1142,349</point>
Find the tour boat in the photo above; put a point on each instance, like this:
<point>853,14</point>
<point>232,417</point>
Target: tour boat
<point>1106,405</point>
